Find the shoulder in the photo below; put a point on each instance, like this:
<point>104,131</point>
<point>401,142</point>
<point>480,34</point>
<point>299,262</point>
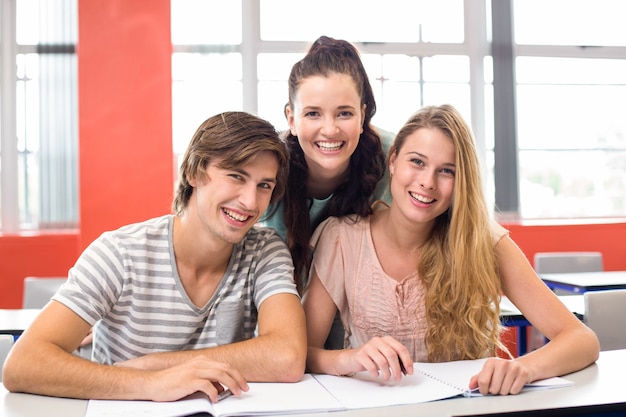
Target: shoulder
<point>152,227</point>
<point>497,231</point>
<point>338,228</point>
<point>386,138</point>
<point>276,220</point>
<point>262,238</point>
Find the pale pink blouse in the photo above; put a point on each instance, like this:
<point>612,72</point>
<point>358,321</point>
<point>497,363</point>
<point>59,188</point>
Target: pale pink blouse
<point>370,302</point>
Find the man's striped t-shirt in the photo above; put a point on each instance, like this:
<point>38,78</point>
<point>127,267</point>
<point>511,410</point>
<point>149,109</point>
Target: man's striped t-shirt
<point>126,284</point>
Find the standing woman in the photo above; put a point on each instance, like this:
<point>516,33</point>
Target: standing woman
<point>421,280</point>
<point>337,159</point>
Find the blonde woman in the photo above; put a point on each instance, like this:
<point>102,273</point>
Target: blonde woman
<point>420,280</point>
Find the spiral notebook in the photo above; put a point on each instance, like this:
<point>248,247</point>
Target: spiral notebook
<point>429,382</point>
<point>320,393</point>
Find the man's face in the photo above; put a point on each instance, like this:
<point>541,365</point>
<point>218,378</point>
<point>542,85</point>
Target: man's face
<point>229,202</point>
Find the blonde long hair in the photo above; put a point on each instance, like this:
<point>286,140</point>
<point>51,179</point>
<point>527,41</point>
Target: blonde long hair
<point>457,265</point>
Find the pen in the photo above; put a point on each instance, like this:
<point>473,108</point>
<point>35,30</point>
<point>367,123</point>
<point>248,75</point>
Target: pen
<point>402,368</point>
<point>224,394</point>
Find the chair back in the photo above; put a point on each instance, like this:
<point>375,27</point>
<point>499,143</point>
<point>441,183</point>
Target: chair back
<point>39,290</point>
<point>560,262</point>
<point>604,312</point>
<point>6,343</point>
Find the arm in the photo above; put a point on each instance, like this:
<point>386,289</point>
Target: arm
<point>379,356</point>
<point>278,354</point>
<point>42,362</point>
<point>572,345</point>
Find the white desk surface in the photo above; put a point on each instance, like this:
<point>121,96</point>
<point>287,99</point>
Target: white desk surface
<point>574,303</point>
<point>600,383</point>
<point>585,279</point>
<point>16,320</point>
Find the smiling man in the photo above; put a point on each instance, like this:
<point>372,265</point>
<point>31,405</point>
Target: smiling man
<point>175,301</point>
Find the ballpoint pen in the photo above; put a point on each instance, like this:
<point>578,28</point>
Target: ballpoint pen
<point>224,394</point>
<point>402,368</point>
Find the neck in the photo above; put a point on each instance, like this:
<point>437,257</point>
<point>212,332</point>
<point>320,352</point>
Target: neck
<point>198,251</point>
<point>405,236</point>
<point>322,183</point>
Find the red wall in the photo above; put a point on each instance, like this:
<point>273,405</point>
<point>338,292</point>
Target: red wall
<point>125,129</point>
<point>126,160</point>
<point>605,237</point>
<point>125,84</point>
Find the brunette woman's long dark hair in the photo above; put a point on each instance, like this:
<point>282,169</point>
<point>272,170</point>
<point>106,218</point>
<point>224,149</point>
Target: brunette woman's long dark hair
<point>329,56</point>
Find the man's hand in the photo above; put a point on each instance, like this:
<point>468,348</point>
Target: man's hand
<point>198,374</point>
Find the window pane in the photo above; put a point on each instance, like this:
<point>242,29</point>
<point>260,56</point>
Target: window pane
<point>572,137</point>
<point>447,82</point>
<point>577,183</point>
<point>540,70</point>
<point>272,96</point>
<point>570,22</point>
<point>446,68</point>
<point>206,22</point>
<point>396,84</point>
<point>46,114</point>
<point>27,22</point>
<point>571,103</point>
<point>273,71</point>
<point>203,85</point>
<point>571,117</point>
<point>363,20</point>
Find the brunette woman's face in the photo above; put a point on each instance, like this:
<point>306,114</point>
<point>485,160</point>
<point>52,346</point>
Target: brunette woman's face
<point>327,117</point>
<point>422,175</point>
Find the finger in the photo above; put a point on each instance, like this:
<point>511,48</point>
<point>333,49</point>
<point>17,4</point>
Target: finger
<point>484,377</point>
<point>370,358</point>
<point>406,360</point>
<point>497,379</point>
<point>225,377</point>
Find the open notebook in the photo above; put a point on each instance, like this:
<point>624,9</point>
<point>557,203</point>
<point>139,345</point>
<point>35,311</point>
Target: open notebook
<point>320,393</point>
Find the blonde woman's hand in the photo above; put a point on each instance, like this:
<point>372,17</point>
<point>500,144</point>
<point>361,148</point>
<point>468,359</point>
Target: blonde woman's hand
<point>501,376</point>
<point>382,357</point>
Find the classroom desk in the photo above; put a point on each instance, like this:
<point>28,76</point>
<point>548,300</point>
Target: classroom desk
<point>580,282</point>
<point>15,321</point>
<point>598,385</point>
<point>510,316</point>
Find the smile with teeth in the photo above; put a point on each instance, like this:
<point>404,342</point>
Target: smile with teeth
<point>421,198</point>
<point>236,216</point>
<point>329,146</point>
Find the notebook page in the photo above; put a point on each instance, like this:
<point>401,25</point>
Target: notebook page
<point>264,398</point>
<point>363,391</point>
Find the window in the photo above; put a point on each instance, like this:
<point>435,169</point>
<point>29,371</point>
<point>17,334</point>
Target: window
<point>571,95</point>
<point>564,147</point>
<point>428,62</point>
<point>39,142</point>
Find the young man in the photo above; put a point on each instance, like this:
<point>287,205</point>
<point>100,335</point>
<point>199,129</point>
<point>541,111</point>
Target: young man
<point>176,300</point>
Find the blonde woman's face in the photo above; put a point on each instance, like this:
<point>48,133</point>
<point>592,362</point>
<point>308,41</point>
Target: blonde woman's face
<point>423,172</point>
<point>327,118</point>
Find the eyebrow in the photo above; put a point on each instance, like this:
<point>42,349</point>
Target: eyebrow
<point>246,174</point>
<point>342,107</point>
<point>446,164</point>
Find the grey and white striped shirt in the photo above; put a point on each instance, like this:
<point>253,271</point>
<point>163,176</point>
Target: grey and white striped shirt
<point>127,285</point>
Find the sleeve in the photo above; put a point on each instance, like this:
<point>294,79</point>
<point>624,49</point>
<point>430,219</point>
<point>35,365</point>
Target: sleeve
<point>95,281</point>
<point>328,260</point>
<point>274,269</point>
